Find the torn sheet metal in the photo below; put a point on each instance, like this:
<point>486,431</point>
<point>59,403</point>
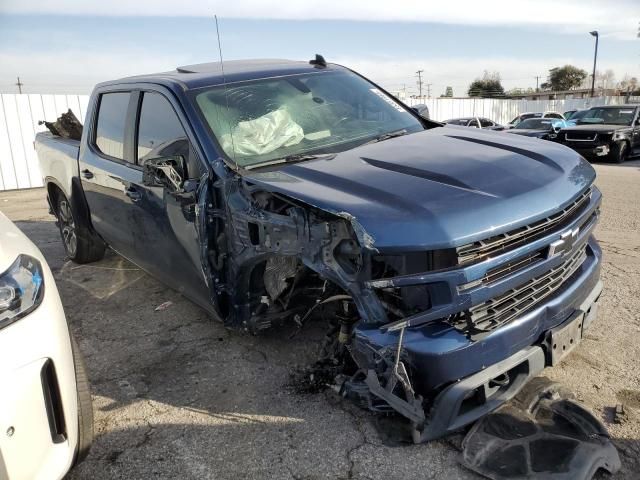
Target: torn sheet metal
<point>541,434</point>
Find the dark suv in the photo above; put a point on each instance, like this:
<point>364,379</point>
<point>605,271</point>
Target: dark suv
<point>611,132</point>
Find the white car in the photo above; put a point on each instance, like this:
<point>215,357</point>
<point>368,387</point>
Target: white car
<point>46,418</point>
<point>527,115</point>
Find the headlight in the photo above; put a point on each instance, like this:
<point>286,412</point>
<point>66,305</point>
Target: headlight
<point>21,289</point>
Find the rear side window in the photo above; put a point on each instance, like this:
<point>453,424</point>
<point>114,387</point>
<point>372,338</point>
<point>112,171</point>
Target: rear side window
<point>112,115</point>
<point>160,133</point>
<point>553,115</point>
<point>485,122</point>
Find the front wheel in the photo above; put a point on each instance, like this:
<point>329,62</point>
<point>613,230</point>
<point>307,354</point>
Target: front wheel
<point>81,245</point>
<point>620,152</point>
<point>85,408</point>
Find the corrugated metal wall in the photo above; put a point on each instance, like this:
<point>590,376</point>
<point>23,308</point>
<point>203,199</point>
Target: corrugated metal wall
<point>19,116</point>
<point>503,111</point>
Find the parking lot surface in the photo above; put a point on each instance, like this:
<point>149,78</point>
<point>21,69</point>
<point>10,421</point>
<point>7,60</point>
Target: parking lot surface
<point>176,395</point>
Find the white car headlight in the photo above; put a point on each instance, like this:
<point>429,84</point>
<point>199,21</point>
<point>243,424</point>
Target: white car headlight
<point>21,289</point>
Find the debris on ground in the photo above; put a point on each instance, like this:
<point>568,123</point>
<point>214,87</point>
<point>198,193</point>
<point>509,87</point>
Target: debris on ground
<point>314,378</point>
<point>541,433</point>
<point>163,306</point>
<point>620,414</point>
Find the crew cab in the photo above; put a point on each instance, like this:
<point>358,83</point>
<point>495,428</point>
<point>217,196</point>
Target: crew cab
<point>609,132</point>
<point>452,264</point>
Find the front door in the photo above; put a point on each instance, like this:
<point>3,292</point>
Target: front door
<point>148,225</point>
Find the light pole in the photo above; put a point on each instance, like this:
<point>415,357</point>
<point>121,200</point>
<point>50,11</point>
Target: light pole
<point>595,58</point>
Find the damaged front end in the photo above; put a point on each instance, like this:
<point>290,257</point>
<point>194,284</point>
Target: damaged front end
<point>441,337</point>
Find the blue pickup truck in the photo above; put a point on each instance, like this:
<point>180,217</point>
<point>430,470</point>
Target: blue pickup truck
<point>451,264</point>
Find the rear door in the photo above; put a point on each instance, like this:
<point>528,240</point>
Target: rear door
<point>108,169</point>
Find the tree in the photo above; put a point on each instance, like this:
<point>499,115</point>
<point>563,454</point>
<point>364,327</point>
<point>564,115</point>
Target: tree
<point>448,92</point>
<point>564,78</point>
<point>487,86</point>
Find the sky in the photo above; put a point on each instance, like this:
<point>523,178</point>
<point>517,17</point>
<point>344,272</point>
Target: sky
<point>67,46</point>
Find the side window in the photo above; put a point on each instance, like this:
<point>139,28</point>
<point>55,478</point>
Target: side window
<point>112,114</point>
<point>485,122</point>
<point>473,123</point>
<point>553,115</point>
<point>160,133</point>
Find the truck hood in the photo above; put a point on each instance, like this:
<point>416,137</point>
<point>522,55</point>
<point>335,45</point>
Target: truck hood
<point>437,188</point>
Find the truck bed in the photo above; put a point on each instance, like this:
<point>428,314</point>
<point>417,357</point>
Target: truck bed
<point>58,158</point>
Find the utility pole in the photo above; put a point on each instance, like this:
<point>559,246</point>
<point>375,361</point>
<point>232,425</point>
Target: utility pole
<point>429,90</point>
<point>419,75</point>
<point>595,58</point>
<point>19,85</point>
<point>537,78</point>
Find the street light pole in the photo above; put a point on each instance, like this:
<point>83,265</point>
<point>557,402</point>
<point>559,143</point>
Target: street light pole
<point>595,58</point>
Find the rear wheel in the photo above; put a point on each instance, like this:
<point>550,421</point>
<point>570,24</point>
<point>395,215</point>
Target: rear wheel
<point>620,153</point>
<point>81,245</point>
<point>85,408</point>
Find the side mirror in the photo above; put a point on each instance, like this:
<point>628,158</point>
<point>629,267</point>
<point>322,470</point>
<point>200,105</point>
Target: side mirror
<point>167,172</point>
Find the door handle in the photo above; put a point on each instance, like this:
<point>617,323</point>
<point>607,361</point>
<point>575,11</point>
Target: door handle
<point>133,194</point>
<point>86,173</point>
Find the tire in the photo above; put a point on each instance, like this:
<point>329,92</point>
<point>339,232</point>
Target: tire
<point>81,244</point>
<point>85,407</point>
<point>620,153</point>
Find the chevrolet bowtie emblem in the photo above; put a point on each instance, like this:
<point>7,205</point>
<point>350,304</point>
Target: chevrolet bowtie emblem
<point>565,244</point>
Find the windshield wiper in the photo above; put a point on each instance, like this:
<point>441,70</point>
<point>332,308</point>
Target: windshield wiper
<point>387,136</point>
<point>296,157</point>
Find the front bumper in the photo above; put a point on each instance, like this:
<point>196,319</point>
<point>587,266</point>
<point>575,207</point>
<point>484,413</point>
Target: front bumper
<point>591,151</point>
<point>38,433</point>
<point>457,378</point>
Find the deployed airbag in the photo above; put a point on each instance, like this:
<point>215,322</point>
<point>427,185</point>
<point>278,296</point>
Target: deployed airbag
<point>263,135</point>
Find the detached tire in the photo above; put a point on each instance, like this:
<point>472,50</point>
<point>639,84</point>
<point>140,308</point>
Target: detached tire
<point>620,153</point>
<point>81,244</point>
<point>85,407</point>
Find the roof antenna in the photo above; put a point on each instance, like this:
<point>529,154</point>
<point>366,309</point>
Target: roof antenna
<point>226,96</point>
<point>319,61</point>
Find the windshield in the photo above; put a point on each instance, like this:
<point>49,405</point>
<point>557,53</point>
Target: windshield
<point>260,121</point>
<point>540,124</point>
<point>578,115</point>
<point>613,116</point>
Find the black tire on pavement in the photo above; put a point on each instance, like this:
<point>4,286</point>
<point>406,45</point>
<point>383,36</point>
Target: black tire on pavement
<point>85,408</point>
<point>620,153</point>
<point>80,243</point>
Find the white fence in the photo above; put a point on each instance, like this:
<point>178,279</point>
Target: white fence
<point>20,115</point>
<point>503,111</point>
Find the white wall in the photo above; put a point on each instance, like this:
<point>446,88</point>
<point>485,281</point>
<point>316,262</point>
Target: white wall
<point>19,116</point>
<point>503,111</point>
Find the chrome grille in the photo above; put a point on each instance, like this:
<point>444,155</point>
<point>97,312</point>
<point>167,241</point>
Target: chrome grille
<point>481,249</point>
<point>581,136</point>
<point>507,306</point>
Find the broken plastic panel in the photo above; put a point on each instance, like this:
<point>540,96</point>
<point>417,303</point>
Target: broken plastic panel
<point>541,434</point>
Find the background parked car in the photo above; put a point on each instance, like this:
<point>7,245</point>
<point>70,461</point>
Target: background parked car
<point>527,115</point>
<point>475,122</point>
<point>46,418</point>
<point>545,128</point>
<point>611,132</point>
